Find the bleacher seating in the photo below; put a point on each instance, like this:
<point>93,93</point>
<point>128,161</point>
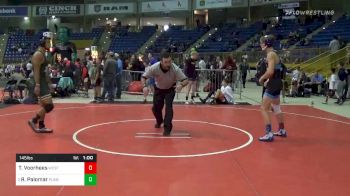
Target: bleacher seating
<point>18,40</point>
<point>177,39</point>
<point>124,41</point>
<point>339,28</point>
<point>94,34</point>
<point>229,37</point>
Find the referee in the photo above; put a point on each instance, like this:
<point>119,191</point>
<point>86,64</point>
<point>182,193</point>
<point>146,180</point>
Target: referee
<point>166,74</point>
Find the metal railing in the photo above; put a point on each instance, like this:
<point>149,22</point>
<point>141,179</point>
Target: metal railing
<point>208,81</point>
<point>289,56</point>
<point>326,61</point>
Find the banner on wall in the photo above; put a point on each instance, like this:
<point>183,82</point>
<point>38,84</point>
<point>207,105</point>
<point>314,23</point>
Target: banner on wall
<point>57,10</point>
<point>207,4</point>
<point>262,2</point>
<point>164,6</point>
<point>14,11</point>
<point>288,5</point>
<point>110,8</point>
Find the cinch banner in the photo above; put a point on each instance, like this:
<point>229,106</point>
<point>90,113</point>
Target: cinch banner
<point>57,10</point>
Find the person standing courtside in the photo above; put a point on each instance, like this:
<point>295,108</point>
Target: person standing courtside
<point>166,74</point>
<point>109,75</point>
<point>244,70</point>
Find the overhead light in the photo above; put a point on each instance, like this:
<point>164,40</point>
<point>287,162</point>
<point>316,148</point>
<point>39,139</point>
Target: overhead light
<point>26,18</point>
<point>333,21</point>
<point>209,34</point>
<point>53,16</point>
<point>166,27</point>
<point>114,19</point>
<point>324,28</point>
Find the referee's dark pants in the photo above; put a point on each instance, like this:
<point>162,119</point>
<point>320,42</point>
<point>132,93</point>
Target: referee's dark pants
<point>158,103</point>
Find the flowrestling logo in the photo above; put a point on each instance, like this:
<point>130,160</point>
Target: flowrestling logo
<point>292,12</point>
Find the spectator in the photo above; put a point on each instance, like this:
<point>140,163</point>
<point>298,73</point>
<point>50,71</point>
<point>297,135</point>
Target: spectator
<point>119,69</point>
<point>244,69</point>
<point>215,80</point>
<point>18,76</point>
<point>77,73</point>
<point>109,75</point>
<point>230,68</point>
<point>304,86</point>
<point>342,76</point>
<point>152,60</point>
<point>95,76</point>
<point>225,94</point>
<point>85,76</point>
<point>98,77</point>
<point>202,64</point>
<point>149,85</point>
<point>192,75</point>
<point>334,45</point>
<point>331,86</point>
<point>296,76</point>
<point>55,73</point>
<point>29,68</point>
<point>317,80</point>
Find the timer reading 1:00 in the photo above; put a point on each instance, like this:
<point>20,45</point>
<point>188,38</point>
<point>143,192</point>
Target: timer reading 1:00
<point>88,158</point>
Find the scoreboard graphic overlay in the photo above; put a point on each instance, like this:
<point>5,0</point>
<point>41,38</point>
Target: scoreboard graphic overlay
<point>56,169</point>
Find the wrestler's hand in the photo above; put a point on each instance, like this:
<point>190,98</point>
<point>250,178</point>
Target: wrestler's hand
<point>265,83</point>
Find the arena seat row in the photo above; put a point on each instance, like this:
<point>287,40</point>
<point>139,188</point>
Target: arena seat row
<point>338,28</point>
<point>177,39</point>
<point>229,37</point>
<point>124,41</point>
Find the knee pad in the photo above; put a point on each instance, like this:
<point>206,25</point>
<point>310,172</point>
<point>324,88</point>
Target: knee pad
<point>48,107</point>
<point>276,109</point>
